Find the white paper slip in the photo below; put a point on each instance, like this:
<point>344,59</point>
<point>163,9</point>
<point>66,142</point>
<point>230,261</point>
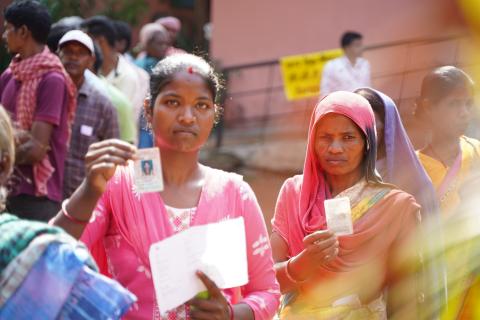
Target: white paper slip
<point>219,250</point>
<point>339,216</point>
<point>148,171</point>
<point>86,130</point>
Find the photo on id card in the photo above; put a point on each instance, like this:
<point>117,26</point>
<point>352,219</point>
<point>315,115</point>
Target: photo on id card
<point>148,171</point>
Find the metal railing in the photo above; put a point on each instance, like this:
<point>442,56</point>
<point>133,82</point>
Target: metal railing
<point>269,89</point>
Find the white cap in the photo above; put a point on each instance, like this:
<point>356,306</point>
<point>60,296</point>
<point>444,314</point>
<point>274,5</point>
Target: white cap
<point>79,36</point>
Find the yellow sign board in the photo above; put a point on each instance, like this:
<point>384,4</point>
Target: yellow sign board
<point>302,73</point>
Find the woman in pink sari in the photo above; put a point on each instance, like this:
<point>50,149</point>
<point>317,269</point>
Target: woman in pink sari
<point>324,276</point>
<point>125,223</point>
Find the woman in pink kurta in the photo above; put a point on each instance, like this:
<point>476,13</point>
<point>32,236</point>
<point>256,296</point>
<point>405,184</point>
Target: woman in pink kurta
<point>125,222</point>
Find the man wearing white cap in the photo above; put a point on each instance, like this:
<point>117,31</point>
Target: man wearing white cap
<point>96,118</point>
<point>125,76</point>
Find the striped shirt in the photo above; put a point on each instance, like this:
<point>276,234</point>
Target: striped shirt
<point>95,120</point>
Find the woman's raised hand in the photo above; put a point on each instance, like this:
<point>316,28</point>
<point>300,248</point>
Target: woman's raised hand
<point>103,158</point>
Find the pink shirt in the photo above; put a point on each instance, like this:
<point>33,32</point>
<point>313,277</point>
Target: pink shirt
<point>144,220</point>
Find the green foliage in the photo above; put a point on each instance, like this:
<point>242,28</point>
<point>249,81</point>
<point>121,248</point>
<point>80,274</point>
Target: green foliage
<point>60,9</point>
<point>129,11</point>
<point>126,10</point>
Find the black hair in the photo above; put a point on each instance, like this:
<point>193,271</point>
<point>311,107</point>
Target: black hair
<point>158,15</point>
<point>348,37</point>
<point>164,71</point>
<point>123,32</point>
<point>375,101</point>
<point>98,58</point>
<point>59,29</point>
<point>100,26</point>
<point>56,33</point>
<point>33,15</point>
<point>440,82</point>
<point>370,159</point>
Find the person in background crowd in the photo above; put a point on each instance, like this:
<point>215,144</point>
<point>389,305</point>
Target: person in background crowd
<point>325,276</point>
<point>445,106</point>
<point>127,127</point>
<point>349,71</point>
<point>173,26</point>
<point>399,165</point>
<point>182,112</point>
<point>122,45</point>
<point>70,21</point>
<point>397,161</point>
<point>61,27</point>
<point>41,98</point>
<point>96,118</point>
<point>121,103</point>
<point>154,40</point>
<point>115,68</point>
<point>123,39</point>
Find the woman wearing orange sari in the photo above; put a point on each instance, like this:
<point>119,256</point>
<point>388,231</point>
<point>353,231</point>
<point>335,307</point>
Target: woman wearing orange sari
<point>445,104</point>
<point>452,160</point>
<point>323,276</point>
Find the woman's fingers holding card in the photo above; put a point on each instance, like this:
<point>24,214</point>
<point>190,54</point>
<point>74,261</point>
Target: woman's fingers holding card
<point>117,143</point>
<point>102,159</point>
<point>319,237</point>
<point>111,147</point>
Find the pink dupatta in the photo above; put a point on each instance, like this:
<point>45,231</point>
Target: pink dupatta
<point>314,189</point>
<point>379,233</point>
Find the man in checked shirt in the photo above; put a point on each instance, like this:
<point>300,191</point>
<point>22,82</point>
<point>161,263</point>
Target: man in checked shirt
<point>96,118</point>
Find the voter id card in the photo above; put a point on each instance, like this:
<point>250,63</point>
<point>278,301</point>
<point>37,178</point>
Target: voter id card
<point>148,171</point>
<point>339,216</point>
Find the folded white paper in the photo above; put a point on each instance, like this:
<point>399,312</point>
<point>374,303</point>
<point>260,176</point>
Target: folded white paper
<point>219,250</point>
<point>339,216</point>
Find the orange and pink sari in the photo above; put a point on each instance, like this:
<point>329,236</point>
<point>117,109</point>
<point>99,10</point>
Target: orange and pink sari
<point>369,260</point>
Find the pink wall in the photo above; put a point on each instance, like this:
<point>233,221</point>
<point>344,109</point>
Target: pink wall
<point>250,30</point>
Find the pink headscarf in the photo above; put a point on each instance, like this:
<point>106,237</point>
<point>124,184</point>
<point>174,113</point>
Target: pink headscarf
<point>171,23</point>
<point>314,188</point>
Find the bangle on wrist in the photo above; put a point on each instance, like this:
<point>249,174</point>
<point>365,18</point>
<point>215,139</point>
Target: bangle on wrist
<point>230,308</point>
<point>289,275</point>
<point>68,216</point>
